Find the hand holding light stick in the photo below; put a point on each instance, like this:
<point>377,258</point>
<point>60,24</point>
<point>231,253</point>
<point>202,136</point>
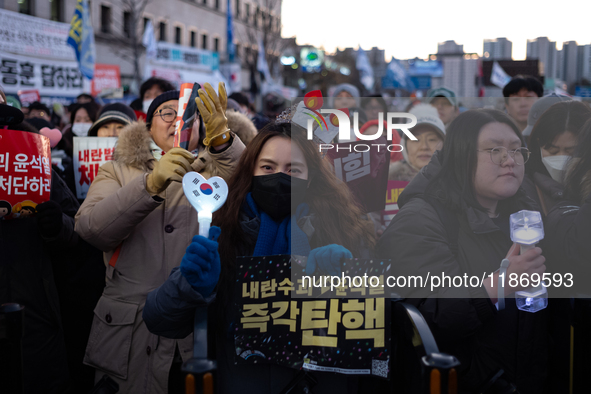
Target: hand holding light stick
<point>527,229</point>
<point>206,196</point>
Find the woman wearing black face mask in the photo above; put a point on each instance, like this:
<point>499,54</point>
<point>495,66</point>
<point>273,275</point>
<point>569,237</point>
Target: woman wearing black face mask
<point>281,187</point>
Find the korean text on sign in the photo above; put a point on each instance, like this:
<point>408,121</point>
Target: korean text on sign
<point>89,154</point>
<point>25,173</point>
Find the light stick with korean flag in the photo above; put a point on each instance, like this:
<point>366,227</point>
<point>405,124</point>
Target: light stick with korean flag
<point>206,196</point>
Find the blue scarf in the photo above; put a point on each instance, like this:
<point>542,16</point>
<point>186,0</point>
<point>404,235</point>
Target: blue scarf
<point>279,237</point>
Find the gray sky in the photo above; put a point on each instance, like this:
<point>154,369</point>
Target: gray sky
<point>410,28</point>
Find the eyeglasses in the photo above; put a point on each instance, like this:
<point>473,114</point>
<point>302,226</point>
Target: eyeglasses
<point>167,114</point>
<point>499,155</point>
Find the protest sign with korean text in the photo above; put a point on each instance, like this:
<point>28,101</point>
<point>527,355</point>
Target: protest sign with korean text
<point>364,168</point>
<point>49,77</point>
<point>25,173</point>
<point>89,154</point>
<point>347,336</point>
<point>392,193</point>
<point>32,36</point>
<point>27,97</point>
<point>106,77</point>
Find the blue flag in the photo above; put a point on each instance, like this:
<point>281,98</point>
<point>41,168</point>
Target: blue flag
<point>398,75</point>
<point>230,36</point>
<point>81,38</point>
<point>365,69</point>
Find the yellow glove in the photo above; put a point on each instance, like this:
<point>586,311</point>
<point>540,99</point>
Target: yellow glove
<point>171,167</point>
<point>213,112</point>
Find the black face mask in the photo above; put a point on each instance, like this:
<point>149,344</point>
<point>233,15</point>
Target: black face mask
<point>277,194</point>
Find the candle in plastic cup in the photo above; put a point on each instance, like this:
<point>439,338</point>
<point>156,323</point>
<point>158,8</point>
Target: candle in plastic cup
<point>526,227</point>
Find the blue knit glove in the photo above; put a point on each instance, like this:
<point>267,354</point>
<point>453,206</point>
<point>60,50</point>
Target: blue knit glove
<point>201,262</point>
<point>328,258</point>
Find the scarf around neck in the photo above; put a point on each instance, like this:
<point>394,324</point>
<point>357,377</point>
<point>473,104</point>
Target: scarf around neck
<point>157,152</point>
<point>284,237</point>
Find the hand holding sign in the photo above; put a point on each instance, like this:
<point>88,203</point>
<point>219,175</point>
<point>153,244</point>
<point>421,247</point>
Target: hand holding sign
<point>213,111</point>
<point>206,196</point>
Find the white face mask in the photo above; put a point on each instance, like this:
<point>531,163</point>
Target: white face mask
<point>81,129</point>
<point>146,105</point>
<point>556,166</point>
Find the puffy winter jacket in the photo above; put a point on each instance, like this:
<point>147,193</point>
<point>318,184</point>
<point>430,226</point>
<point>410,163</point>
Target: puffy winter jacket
<point>464,321</point>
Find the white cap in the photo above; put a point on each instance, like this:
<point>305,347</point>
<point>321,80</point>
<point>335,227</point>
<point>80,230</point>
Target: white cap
<point>427,115</point>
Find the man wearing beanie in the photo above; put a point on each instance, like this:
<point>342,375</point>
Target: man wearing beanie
<point>136,212</point>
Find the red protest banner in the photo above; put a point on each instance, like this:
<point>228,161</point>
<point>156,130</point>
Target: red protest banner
<point>28,96</point>
<point>106,76</point>
<point>364,169</point>
<point>392,194</point>
<point>25,173</point>
<point>182,134</point>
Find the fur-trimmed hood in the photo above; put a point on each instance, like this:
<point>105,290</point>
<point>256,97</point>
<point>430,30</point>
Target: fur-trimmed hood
<point>241,125</point>
<point>133,147</point>
<point>401,171</point>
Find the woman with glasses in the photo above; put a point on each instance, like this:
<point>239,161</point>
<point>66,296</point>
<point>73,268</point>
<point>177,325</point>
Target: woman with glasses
<point>454,220</point>
<point>552,142</point>
<point>137,214</point>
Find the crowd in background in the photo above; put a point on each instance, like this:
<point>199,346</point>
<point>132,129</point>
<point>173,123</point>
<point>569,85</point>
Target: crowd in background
<point>111,282</point>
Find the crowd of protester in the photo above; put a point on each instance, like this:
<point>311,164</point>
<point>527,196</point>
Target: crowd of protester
<point>111,282</point>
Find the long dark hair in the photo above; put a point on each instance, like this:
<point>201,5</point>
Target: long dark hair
<point>578,176</point>
<point>559,118</point>
<point>454,185</point>
<point>337,217</point>
<point>91,108</point>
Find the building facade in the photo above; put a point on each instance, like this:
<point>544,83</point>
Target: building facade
<point>198,24</point>
<point>460,70</point>
<point>544,50</point>
<point>497,49</point>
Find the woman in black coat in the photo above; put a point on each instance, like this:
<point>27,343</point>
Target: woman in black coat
<point>467,192</point>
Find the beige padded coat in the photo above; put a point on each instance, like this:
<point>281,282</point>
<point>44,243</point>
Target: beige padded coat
<point>142,240</point>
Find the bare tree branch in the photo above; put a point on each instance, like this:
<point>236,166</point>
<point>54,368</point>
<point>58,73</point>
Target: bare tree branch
<point>268,29</point>
<point>128,44</point>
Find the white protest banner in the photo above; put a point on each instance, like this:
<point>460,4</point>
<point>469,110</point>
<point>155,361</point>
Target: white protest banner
<point>28,35</point>
<point>49,77</point>
<point>498,76</point>
<point>89,154</point>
